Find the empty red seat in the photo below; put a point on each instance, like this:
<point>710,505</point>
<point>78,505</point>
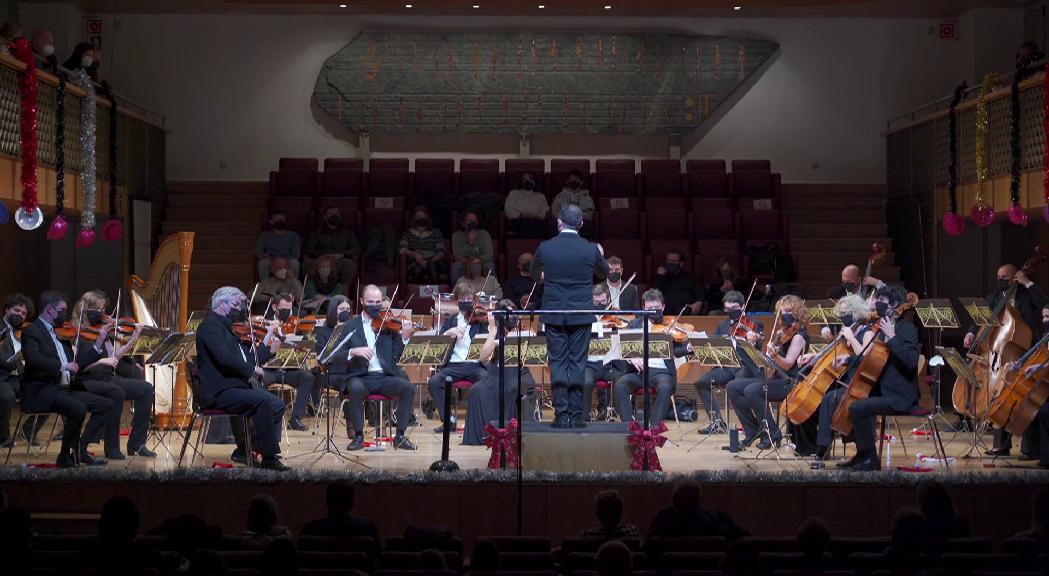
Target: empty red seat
<point>706,179</point>
<point>619,218</point>
<point>666,218</point>
<point>615,179</point>
<point>754,179</point>
<point>713,223</point>
<point>433,177</point>
<point>479,176</point>
<point>560,168</point>
<point>295,177</point>
<point>515,168</point>
<point>388,177</point>
<point>342,177</point>
<point>707,203</point>
<point>759,224</point>
<point>661,178</point>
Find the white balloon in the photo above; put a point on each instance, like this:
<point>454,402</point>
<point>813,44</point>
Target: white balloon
<point>29,220</point>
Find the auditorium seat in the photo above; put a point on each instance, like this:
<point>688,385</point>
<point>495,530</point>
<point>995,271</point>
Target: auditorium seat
<point>1021,546</point>
<point>713,203</point>
<point>514,168</point>
<point>402,560</point>
<point>343,560</point>
<point>434,177</point>
<point>295,177</point>
<point>958,545</point>
<point>761,224</point>
<point>529,561</point>
<point>560,168</point>
<point>296,210</point>
<point>364,544</point>
<point>423,303</point>
<point>705,264</point>
<point>619,218</point>
<point>967,563</point>
<point>659,546</point>
<point>342,178</point>
<point>713,223</point>
<point>399,543</point>
<point>782,544</point>
<point>614,179</point>
<point>388,177</point>
<point>479,176</point>
<point>518,543</point>
<point>706,179</point>
<point>847,546</point>
<point>330,572</point>
<point>672,561</point>
<point>754,179</point>
<point>790,561</point>
<point>402,572</point>
<point>666,218</point>
<point>661,179</point>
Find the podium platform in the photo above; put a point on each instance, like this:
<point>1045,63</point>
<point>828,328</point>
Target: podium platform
<point>600,447</point>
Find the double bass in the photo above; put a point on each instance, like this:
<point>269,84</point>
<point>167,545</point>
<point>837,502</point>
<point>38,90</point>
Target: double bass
<point>1022,395</point>
<point>993,348</point>
<point>876,258</point>
<point>868,373</point>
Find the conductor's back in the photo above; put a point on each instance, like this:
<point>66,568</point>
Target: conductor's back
<point>567,263</point>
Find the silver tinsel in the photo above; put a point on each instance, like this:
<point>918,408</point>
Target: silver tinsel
<point>88,124</point>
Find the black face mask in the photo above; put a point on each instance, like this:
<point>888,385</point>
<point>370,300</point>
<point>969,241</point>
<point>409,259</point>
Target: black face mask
<point>787,319</point>
<point>344,316</point>
<point>851,287</point>
<point>572,185</point>
<point>421,222</point>
<point>63,316</point>
<point>280,225</point>
<point>672,268</point>
<point>334,221</point>
<point>528,185</point>
<point>847,319</point>
<point>94,316</point>
<point>615,276</point>
<point>735,313</point>
<point>658,318</point>
<point>1003,284</point>
<point>466,307</point>
<point>373,310</point>
<point>526,267</point>
<point>471,225</point>
<point>600,305</point>
<point>283,315</point>
<point>236,315</point>
<point>15,320</point>
<point>882,308</point>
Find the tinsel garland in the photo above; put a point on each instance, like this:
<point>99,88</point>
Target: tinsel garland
<point>29,216</point>
<point>982,213</point>
<point>1017,214</point>
<point>953,223</point>
<point>59,226</point>
<point>113,229</point>
<point>88,126</point>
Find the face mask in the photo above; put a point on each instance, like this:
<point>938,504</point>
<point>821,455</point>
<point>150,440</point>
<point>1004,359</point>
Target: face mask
<point>572,185</point>
<point>526,267</point>
<point>49,50</point>
<point>280,225</point>
<point>1003,284</point>
<point>236,314</point>
<point>673,268</point>
<point>528,185</point>
<point>86,61</point>
<point>324,272</point>
<point>882,308</point>
<point>421,222</point>
<point>94,316</point>
<point>847,319</point>
<point>851,287</point>
<point>472,225</point>
<point>787,318</point>
<point>344,316</point>
<point>466,307</point>
<point>334,221</point>
<point>735,313</point>
<point>63,316</point>
<point>373,310</point>
<point>283,315</point>
<point>599,305</point>
<point>282,273</point>
<point>615,276</point>
<point>658,318</point>
<point>15,320</point>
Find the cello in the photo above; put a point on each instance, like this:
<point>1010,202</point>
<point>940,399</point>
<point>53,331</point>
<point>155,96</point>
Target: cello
<point>805,398</point>
<point>868,372</point>
<point>1022,395</point>
<point>993,347</point>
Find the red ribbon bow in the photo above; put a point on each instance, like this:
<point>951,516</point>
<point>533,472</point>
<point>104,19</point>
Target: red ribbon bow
<point>502,441</point>
<point>645,443</point>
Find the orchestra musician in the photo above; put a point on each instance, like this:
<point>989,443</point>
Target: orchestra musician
<point>17,308</point>
<point>464,326</point>
<point>280,311</point>
<point>732,304</point>
<point>340,311</point>
<point>852,282</point>
<point>50,366</point>
<point>662,373</point>
<point>227,366</point>
<point>751,396</point>
<point>567,265</point>
<point>1036,437</point>
<point>373,369</point>
<point>107,371</point>
<point>597,367</point>
<point>898,391</point>
<point>1029,300</point>
<point>622,298</point>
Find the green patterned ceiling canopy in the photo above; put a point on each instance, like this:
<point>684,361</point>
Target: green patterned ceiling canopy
<point>512,83</point>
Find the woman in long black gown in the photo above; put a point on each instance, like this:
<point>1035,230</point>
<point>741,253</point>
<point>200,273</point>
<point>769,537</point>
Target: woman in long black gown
<point>482,405</point>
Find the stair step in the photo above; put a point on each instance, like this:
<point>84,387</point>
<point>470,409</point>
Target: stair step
<point>843,204</point>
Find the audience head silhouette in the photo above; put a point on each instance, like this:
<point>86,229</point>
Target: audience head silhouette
<point>614,559</point>
<point>118,520</point>
<point>687,495</point>
<point>262,514</point>
<point>340,499</point>
<point>608,507</point>
<point>813,537</point>
<point>431,560</point>
<point>485,557</point>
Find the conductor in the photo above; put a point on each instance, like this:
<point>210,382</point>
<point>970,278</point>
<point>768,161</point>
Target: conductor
<point>566,265</point>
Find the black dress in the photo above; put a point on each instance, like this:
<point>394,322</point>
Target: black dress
<point>482,405</point>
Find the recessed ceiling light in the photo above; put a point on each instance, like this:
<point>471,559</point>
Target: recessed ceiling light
<point>407,5</point>
<point>737,8</point>
<point>342,5</point>
<point>541,6</point>
<point>608,6</point>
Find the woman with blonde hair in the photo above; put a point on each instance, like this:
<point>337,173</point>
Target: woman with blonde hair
<point>751,396</point>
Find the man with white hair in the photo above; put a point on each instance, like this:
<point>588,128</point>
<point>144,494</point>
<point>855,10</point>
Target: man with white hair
<point>226,365</point>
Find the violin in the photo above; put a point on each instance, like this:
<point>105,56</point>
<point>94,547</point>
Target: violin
<point>744,325</point>
<point>394,323</point>
<point>785,335</point>
<point>117,329</point>
<point>295,324</point>
<point>253,333</point>
<point>678,331</point>
<point>615,321</point>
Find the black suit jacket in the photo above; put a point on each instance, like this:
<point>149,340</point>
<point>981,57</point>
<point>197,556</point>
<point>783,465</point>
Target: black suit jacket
<point>388,346</point>
<point>219,361</point>
<point>568,264</point>
<point>899,381</point>
<point>629,299</point>
<point>1029,301</point>
<point>43,367</point>
<point>9,370</point>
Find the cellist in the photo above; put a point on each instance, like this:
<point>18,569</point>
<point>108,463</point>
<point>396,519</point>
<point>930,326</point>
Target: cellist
<point>1029,300</point>
<point>1036,438</point>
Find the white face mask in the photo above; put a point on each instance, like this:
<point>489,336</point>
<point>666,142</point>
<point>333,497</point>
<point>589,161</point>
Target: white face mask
<point>86,61</point>
<point>49,50</point>
<point>282,273</point>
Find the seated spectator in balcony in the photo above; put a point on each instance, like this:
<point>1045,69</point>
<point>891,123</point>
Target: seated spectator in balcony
<point>339,243</point>
<point>725,280</point>
<point>9,32</point>
<point>678,286</point>
<point>423,246</point>
<point>519,284</point>
<point>469,243</point>
<point>526,210</point>
<point>687,518</point>
<point>116,551</point>
<point>480,281</point>
<point>575,192</point>
<point>941,520</point>
<point>278,242</point>
<point>614,559</point>
<point>339,522</point>
<point>322,285</point>
<point>486,205</point>
<point>608,507</point>
<point>85,56</point>
<point>280,280</point>
<point>263,525</point>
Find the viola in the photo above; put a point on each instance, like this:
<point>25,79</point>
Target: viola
<point>678,331</point>
<point>616,322</point>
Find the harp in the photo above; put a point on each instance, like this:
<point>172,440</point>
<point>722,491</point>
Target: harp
<point>162,300</point>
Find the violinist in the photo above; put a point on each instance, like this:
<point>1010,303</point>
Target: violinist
<point>106,371</point>
<point>623,298</point>
<point>1029,300</point>
<point>898,391</point>
<point>1036,438</point>
<point>464,326</point>
<point>17,307</point>
<point>304,382</point>
<point>340,311</point>
<point>597,367</point>
<point>662,373</point>
<point>519,285</point>
<point>227,365</point>
<point>732,303</point>
<point>751,396</point>
<point>373,355</point>
<point>50,366</point>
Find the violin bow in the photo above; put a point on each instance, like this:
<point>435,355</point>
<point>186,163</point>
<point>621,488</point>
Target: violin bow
<point>79,325</point>
<point>528,299</point>
<point>621,290</point>
<point>747,302</point>
<point>247,316</point>
<point>302,294</point>
<point>485,283</point>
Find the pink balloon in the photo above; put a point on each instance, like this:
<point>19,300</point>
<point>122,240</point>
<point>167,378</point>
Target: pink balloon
<point>58,228</point>
<point>86,238</point>
<point>113,230</point>
<point>982,214</point>
<point>953,224</point>
<point>1017,215</point>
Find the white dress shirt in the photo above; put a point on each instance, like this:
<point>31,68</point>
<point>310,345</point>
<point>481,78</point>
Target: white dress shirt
<point>369,335</point>
<point>525,203</point>
<point>15,343</point>
<point>462,345</point>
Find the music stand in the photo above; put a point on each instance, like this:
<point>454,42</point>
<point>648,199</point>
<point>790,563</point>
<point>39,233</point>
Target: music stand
<point>936,314</point>
<point>763,362</point>
<point>980,312</point>
<point>822,312</point>
<point>713,352</point>
<point>963,370</point>
<point>173,348</point>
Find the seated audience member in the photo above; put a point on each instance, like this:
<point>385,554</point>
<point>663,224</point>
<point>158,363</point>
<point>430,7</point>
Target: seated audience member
<point>941,520</point>
<point>621,296</point>
<point>432,560</point>
<point>116,551</point>
<point>814,542</point>
<point>338,243</point>
<point>280,557</point>
<point>423,246</point>
<point>206,563</point>
<point>340,523</point>
<point>614,559</point>
<point>575,192</point>
<point>741,559</point>
<point>686,517</point>
<point>321,286</point>
<point>281,279</point>
<point>526,209</point>
<point>519,284</point>
<point>479,281</point>
<point>472,242</point>
<point>904,554</point>
<point>263,526</point>
<point>278,242</point>
<point>485,558</point>
<point>608,507</point>
<point>725,280</point>
<point>678,286</point>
